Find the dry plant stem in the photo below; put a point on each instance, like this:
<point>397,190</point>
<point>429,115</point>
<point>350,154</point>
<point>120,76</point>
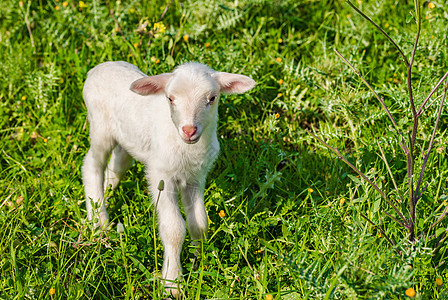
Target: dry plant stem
<point>433,101</point>
<point>379,227</point>
<point>431,144</point>
<point>340,156</point>
<point>380,29</point>
<point>423,190</point>
<point>441,242</point>
<point>410,157</point>
<point>422,107</point>
<point>409,152</point>
<point>414,195</point>
<point>380,99</point>
<point>411,62</point>
<point>374,177</point>
<point>395,219</point>
<point>165,10</point>
<point>440,218</point>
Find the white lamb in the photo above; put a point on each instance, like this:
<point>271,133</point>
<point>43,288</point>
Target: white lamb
<point>168,122</point>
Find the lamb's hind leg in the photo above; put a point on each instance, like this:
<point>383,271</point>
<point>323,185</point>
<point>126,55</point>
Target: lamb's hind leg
<point>93,179</point>
<point>120,161</point>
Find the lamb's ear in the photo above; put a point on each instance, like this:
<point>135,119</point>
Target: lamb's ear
<point>151,85</point>
<point>233,83</point>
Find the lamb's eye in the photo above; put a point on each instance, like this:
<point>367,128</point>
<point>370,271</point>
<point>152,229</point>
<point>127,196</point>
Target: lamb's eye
<point>212,99</point>
<point>170,99</point>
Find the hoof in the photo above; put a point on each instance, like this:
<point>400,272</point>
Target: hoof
<point>103,222</point>
<point>172,289</point>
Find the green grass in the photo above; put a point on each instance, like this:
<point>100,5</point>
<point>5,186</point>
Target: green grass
<point>286,231</point>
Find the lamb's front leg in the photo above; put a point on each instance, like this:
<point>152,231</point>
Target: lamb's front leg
<point>193,202</point>
<point>171,230</point>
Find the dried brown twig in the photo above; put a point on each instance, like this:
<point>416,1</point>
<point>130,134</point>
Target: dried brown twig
<point>408,147</point>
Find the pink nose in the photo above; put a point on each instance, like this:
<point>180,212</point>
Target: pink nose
<point>189,130</point>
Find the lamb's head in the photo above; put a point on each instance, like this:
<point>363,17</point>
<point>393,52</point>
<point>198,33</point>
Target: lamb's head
<point>192,91</point>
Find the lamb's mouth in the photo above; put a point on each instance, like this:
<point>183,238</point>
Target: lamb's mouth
<point>192,140</point>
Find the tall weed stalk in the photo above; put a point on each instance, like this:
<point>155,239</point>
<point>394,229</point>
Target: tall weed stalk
<point>415,187</point>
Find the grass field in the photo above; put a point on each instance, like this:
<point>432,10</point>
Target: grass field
<point>292,225</point>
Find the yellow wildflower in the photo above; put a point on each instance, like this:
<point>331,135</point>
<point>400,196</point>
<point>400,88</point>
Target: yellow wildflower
<point>310,190</point>
<point>222,214</point>
<point>52,291</point>
<point>279,95</point>
<point>269,297</point>
<point>280,81</point>
<point>23,98</point>
<point>135,45</point>
<point>159,27</point>
<point>65,3</point>
<point>186,37</point>
<point>342,201</point>
<point>82,4</point>
<point>155,59</point>
<point>431,5</point>
<point>439,281</point>
<point>280,41</point>
<point>277,115</point>
<point>21,3</point>
<point>278,59</point>
<point>56,7</point>
<point>206,45</point>
<point>410,292</point>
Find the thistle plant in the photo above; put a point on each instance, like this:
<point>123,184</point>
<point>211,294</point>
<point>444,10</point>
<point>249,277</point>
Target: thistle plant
<point>414,186</point>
